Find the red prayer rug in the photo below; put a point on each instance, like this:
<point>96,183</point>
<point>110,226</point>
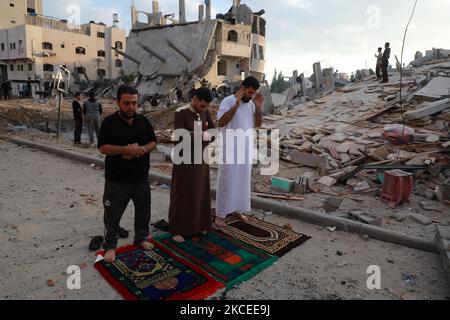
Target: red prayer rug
<point>155,275</point>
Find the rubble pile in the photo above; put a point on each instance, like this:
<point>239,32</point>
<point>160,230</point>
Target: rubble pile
<point>350,138</point>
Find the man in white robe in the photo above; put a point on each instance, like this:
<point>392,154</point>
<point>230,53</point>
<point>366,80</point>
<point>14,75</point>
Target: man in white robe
<point>238,116</point>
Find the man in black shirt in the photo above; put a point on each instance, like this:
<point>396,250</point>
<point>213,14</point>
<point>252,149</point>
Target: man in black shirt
<point>127,139</point>
<point>78,117</point>
<point>386,57</point>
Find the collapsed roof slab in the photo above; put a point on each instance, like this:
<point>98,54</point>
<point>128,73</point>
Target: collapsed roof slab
<point>438,88</point>
<point>170,50</point>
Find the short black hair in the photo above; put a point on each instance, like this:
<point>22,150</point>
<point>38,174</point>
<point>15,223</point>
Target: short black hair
<point>126,90</point>
<point>388,44</point>
<point>92,95</point>
<point>204,94</point>
<point>251,82</point>
<point>380,49</point>
<point>77,94</point>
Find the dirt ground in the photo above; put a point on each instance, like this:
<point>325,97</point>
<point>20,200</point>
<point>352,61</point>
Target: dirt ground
<point>50,207</point>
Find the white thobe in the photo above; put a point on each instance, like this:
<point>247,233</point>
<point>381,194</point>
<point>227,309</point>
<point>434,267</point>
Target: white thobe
<point>235,173</point>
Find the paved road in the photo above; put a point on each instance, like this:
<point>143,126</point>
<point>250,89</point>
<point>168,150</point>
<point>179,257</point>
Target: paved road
<point>49,208</point>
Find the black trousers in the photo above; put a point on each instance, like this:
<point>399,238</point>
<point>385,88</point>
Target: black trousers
<point>385,72</point>
<point>116,198</point>
<point>78,130</point>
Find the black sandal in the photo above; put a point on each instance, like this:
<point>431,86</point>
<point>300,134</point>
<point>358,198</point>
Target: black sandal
<point>123,234</point>
<point>96,243</point>
<point>162,225</point>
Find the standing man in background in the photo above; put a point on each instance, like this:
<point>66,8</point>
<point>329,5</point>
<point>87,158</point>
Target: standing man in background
<point>78,117</point>
<point>386,57</point>
<point>379,57</point>
<point>92,110</point>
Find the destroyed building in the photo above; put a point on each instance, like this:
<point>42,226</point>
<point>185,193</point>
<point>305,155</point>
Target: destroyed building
<point>165,53</point>
<point>33,46</point>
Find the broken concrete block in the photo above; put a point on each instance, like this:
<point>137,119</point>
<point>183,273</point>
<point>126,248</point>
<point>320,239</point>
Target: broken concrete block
<point>286,185</point>
<point>361,187</point>
<point>344,157</point>
<point>317,137</point>
<point>327,181</point>
<point>344,148</point>
<point>443,232</point>
<point>355,149</point>
<point>381,153</point>
<point>399,217</point>
<point>439,194</point>
<point>352,182</point>
<point>366,218</point>
<point>432,138</point>
<point>427,206</point>
<point>302,184</point>
<point>332,204</point>
<point>435,89</point>
<point>309,159</point>
<point>420,219</point>
<point>429,110</point>
<point>446,190</point>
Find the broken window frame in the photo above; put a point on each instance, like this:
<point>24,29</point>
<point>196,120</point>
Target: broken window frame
<point>80,50</point>
<point>233,36</point>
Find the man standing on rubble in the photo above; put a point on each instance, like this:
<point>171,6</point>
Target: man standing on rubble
<point>386,57</point>
<point>127,139</point>
<point>238,116</point>
<point>379,57</point>
<point>92,110</point>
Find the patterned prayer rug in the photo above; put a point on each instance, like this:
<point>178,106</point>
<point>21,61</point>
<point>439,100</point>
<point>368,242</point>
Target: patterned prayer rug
<point>156,275</point>
<point>229,261</point>
<point>265,236</point>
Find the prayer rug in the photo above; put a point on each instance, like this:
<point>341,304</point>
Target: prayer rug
<point>265,236</point>
<point>155,275</point>
<point>229,261</point>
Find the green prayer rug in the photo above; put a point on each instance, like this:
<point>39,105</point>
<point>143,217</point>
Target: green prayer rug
<point>227,260</point>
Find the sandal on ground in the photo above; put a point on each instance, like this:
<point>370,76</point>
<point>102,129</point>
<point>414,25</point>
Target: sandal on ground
<point>96,243</point>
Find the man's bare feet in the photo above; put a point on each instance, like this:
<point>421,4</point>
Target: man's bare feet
<point>240,216</point>
<point>220,223</point>
<point>147,246</point>
<point>179,239</point>
<point>110,256</point>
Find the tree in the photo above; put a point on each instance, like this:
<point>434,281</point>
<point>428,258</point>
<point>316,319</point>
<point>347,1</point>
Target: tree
<point>279,85</point>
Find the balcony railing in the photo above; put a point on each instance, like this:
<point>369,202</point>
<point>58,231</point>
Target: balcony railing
<point>52,23</point>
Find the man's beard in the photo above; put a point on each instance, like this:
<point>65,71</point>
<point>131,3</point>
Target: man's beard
<point>246,99</point>
<point>127,117</point>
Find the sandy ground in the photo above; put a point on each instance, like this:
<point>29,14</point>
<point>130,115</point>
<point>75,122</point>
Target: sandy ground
<point>50,207</point>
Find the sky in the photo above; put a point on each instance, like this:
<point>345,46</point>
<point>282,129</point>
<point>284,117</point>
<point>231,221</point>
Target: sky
<point>343,34</point>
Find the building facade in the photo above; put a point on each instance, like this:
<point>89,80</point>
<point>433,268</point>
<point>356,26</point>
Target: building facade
<point>35,45</point>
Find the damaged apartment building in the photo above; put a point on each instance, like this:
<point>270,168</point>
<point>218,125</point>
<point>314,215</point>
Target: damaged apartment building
<point>165,53</point>
<point>33,46</point>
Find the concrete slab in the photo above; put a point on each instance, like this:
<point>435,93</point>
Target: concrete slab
<point>436,89</point>
<point>428,110</point>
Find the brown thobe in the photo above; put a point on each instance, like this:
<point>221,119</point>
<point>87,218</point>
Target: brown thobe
<point>190,198</point>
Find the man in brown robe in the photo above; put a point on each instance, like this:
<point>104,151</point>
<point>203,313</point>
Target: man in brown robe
<point>190,199</point>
